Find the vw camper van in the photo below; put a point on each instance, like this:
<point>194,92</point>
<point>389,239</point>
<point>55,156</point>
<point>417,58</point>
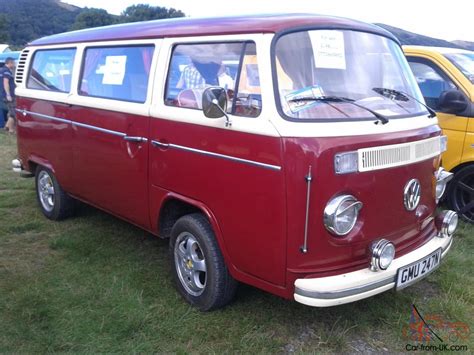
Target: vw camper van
<point>288,152</point>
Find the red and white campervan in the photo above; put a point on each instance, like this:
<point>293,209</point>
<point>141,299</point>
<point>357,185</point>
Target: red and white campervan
<point>288,152</point>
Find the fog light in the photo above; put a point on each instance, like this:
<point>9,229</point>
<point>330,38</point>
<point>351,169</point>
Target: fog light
<point>442,178</point>
<point>446,222</point>
<point>383,253</point>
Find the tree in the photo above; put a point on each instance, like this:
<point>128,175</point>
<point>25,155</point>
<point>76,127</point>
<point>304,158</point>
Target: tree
<point>92,18</point>
<point>4,29</point>
<point>143,12</point>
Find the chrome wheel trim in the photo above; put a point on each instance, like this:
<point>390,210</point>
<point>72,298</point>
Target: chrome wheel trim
<point>46,191</point>
<point>190,264</point>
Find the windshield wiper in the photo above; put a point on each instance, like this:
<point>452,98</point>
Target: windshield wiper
<point>397,95</point>
<point>380,118</point>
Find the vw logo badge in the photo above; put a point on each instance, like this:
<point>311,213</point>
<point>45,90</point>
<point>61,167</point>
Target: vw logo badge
<point>412,194</point>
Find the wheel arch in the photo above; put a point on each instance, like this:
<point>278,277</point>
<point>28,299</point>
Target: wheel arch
<point>461,166</point>
<point>34,161</point>
<point>175,206</point>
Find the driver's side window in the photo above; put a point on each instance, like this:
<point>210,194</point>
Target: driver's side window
<point>431,80</point>
<point>232,66</point>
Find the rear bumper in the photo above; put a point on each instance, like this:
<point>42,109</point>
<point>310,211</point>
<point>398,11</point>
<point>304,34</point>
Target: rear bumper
<point>357,285</point>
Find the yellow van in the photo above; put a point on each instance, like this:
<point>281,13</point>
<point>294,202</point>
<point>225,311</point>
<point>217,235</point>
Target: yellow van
<point>446,80</point>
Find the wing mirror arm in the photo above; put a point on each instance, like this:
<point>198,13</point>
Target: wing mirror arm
<point>228,122</point>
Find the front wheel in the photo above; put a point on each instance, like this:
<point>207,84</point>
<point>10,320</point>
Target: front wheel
<point>460,194</point>
<point>199,270</point>
<point>54,202</point>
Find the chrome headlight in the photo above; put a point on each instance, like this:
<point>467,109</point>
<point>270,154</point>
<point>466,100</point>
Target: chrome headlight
<point>442,178</point>
<point>383,253</point>
<point>446,222</point>
<point>340,214</point>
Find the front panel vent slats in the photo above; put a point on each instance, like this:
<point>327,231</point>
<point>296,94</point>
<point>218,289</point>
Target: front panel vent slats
<point>389,156</point>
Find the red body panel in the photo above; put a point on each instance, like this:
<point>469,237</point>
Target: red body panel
<point>94,166</point>
<point>111,171</point>
<point>247,201</point>
<point>381,191</point>
<point>46,142</point>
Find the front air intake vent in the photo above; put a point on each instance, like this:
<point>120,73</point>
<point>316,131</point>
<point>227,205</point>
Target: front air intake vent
<point>21,68</point>
<point>389,156</point>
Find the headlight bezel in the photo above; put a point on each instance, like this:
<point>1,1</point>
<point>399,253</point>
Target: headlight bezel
<point>378,248</point>
<point>444,223</point>
<point>332,211</point>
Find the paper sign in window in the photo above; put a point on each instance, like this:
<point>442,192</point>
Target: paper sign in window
<point>114,70</point>
<point>328,48</point>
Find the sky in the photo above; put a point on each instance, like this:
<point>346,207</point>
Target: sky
<point>435,18</point>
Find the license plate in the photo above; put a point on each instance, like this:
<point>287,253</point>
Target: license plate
<point>411,273</point>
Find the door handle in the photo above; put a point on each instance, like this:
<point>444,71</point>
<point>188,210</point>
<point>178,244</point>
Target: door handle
<point>159,144</point>
<point>135,139</point>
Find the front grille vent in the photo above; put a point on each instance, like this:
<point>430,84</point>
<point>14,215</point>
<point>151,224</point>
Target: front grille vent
<point>389,156</point>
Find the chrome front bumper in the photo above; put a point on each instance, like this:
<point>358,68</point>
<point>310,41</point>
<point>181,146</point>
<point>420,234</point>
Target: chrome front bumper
<point>357,285</point>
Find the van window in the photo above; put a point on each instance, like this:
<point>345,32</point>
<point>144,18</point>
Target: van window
<point>51,70</point>
<point>118,73</point>
<point>232,66</point>
<point>431,80</point>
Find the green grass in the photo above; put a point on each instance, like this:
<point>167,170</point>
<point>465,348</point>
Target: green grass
<point>96,284</point>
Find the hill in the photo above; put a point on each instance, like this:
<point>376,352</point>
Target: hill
<point>30,19</point>
<point>407,37</point>
<point>465,44</point>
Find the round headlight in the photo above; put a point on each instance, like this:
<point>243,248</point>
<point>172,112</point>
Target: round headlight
<point>383,253</point>
<point>340,214</point>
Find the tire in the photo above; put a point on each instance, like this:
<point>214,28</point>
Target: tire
<point>460,194</point>
<point>199,271</point>
<point>54,202</point>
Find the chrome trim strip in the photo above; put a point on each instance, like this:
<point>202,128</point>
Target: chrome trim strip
<point>52,118</point>
<point>73,123</point>
<point>346,292</point>
<point>98,129</point>
<point>216,155</point>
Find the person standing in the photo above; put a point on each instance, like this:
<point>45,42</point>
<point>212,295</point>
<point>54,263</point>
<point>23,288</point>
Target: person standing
<point>8,92</point>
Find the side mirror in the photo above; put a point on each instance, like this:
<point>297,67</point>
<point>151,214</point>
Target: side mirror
<point>214,102</point>
<point>452,101</point>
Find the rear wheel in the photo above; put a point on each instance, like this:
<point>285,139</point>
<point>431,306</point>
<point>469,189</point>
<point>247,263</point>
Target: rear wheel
<point>54,202</point>
<point>199,270</point>
<point>461,193</point>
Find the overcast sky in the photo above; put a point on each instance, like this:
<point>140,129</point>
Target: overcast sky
<point>446,20</point>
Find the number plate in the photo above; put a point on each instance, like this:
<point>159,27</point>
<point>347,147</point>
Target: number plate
<point>411,273</point>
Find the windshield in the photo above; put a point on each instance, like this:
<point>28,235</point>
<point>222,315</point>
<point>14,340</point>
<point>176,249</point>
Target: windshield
<point>464,62</point>
<point>311,65</point>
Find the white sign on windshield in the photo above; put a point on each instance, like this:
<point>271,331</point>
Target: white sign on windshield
<point>328,49</point>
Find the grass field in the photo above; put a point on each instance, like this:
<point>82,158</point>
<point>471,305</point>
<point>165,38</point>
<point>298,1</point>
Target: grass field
<point>96,284</point>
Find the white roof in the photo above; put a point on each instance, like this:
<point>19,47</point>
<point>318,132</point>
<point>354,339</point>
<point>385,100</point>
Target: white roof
<point>4,48</point>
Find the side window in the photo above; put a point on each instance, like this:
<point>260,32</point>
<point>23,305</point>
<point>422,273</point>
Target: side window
<point>232,66</point>
<point>431,79</point>
<point>51,70</point>
<point>118,73</point>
